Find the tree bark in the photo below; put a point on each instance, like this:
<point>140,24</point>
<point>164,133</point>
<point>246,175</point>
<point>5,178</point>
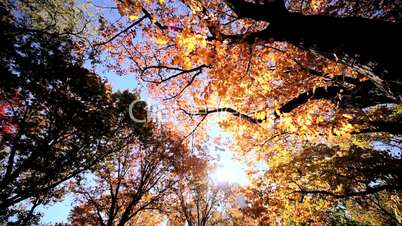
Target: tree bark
<point>370,46</point>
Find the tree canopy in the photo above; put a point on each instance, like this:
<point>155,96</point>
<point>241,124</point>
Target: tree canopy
<point>57,118</point>
<point>309,89</point>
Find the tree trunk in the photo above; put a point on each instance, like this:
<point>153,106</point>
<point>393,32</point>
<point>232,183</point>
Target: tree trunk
<point>371,47</point>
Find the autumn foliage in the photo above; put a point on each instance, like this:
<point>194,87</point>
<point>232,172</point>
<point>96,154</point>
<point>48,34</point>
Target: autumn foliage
<point>308,92</point>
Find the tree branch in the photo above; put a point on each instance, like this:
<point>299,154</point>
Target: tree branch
<point>348,194</point>
<point>122,31</point>
<point>185,87</point>
<point>181,72</point>
<point>318,93</point>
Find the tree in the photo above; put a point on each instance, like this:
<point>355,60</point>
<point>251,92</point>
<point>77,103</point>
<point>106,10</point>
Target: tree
<point>62,17</point>
<point>325,35</point>
<point>57,118</point>
<point>319,35</point>
<point>57,17</point>
<point>314,184</point>
<point>130,185</point>
<point>214,58</point>
<point>288,76</point>
<point>198,202</point>
<point>300,94</point>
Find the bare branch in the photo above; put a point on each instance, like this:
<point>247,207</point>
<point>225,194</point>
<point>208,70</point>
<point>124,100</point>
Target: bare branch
<point>185,87</point>
<point>228,110</point>
<point>181,72</point>
<point>195,128</point>
<point>123,31</point>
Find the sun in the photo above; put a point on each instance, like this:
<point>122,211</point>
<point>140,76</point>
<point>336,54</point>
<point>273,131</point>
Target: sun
<point>229,170</point>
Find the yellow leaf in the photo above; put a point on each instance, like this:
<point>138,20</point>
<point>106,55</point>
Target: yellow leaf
<point>348,116</point>
<point>278,112</point>
<point>161,41</point>
<point>187,64</point>
<point>260,115</point>
<point>132,17</point>
<point>195,6</point>
<point>190,41</point>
